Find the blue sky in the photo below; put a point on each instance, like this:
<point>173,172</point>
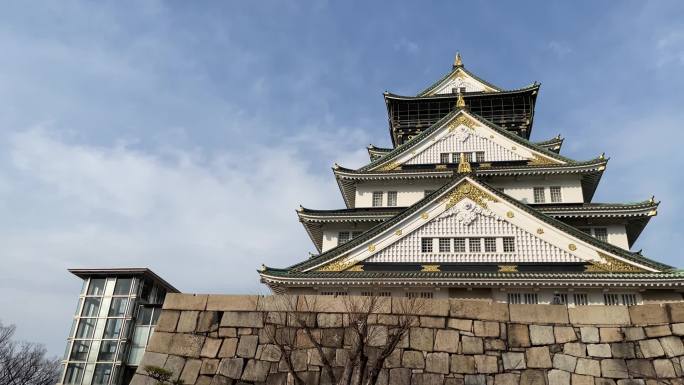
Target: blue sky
<point>182,136</point>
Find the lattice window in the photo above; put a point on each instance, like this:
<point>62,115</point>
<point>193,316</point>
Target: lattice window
<point>384,294</point>
<point>556,196</point>
<point>629,299</point>
<point>580,299</point>
<point>601,233</point>
<point>444,157</point>
<point>480,156</point>
<point>531,298</point>
<point>514,298</point>
<point>444,245</point>
<point>508,244</point>
<point>459,245</point>
<point>343,237</point>
<point>456,157</point>
<point>366,293</point>
<point>426,245</point>
<point>419,294</point>
<point>611,299</point>
<point>377,198</point>
<point>490,245</point>
<point>539,195</point>
<point>474,245</point>
<point>391,198</point>
<point>560,299</point>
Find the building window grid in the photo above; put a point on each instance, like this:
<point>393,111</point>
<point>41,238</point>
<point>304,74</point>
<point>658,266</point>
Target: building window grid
<point>479,156</point>
<point>580,299</point>
<point>601,233</point>
<point>391,198</point>
<point>508,244</point>
<point>539,195</point>
<point>490,245</point>
<point>531,298</point>
<point>426,245</point>
<point>444,157</point>
<point>459,245</point>
<point>474,245</point>
<point>556,196</point>
<point>560,299</point>
<point>444,245</point>
<point>419,294</point>
<point>377,198</point>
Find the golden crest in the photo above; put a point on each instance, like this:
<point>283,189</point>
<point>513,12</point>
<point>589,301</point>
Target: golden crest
<point>508,268</point>
<point>611,265</point>
<point>462,120</point>
<point>430,268</point>
<point>398,232</point>
<point>510,214</point>
<point>540,231</point>
<point>538,160</point>
<point>338,265</point>
<point>424,216</point>
<point>572,247</point>
<point>355,268</point>
<point>467,190</point>
<point>388,167</point>
<point>371,247</point>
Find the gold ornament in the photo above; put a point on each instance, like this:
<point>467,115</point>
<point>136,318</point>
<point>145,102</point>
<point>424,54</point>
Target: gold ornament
<point>430,268</point>
<point>338,265</point>
<point>463,165</point>
<point>356,268</point>
<point>538,160</point>
<point>371,247</point>
<point>510,214</point>
<point>388,167</point>
<point>611,265</point>
<point>458,62</point>
<point>460,102</point>
<point>572,247</point>
<point>424,216</point>
<point>398,232</point>
<point>508,268</point>
<point>462,120</point>
<point>467,190</point>
<point>540,231</point>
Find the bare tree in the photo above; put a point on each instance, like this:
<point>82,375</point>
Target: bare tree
<point>24,363</point>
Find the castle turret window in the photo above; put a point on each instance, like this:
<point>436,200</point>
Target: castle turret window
<point>444,245</point>
<point>377,198</point>
<point>508,244</point>
<point>490,245</point>
<point>601,233</point>
<point>391,198</point>
<point>479,156</point>
<point>459,245</point>
<point>539,195</point>
<point>426,245</point>
<point>474,245</point>
<point>444,157</point>
<point>556,194</point>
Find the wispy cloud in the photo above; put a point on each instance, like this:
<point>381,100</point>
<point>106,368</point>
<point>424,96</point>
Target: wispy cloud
<point>407,46</point>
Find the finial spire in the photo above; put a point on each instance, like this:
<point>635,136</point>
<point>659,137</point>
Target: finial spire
<point>460,102</point>
<point>458,62</point>
<point>463,164</point>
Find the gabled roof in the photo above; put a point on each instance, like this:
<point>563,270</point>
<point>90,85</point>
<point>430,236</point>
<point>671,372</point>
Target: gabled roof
<point>359,243</point>
<point>553,144</point>
<point>376,152</point>
<point>389,96</point>
<point>457,70</point>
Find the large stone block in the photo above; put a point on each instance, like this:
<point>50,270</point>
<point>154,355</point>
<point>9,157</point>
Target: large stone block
<point>247,346</point>
<point>564,362</point>
<point>614,368</point>
<point>486,328</point>
<point>174,364</point>
<point>220,302</point>
<point>589,335</point>
<point>588,367</point>
<point>539,314</point>
<point>228,348</point>
<point>599,315</point>
<point>315,356</point>
<point>533,377</point>
<point>377,335</point>
<point>611,334</point>
<point>300,358</point>
<point>634,333</point>
<point>334,337</point>
<point>432,322</point>
<point>558,377</point>
<point>599,350</point>
<point>190,371</point>
<point>419,306</point>
<point>231,367</point>
<point>329,320</point>
<point>676,311</point>
<point>580,379</point>
<point>651,314</point>
<point>413,359</point>
<point>482,310</point>
<point>462,364</point>
<point>486,364</point>
<point>187,321</point>
<point>576,349</point>
<point>211,347</point>
<point>151,359</point>
<point>678,329</point>
<point>160,342</point>
<point>465,325</point>
<point>507,379</point>
<point>427,379</point>
<point>168,319</point>
<point>446,341</point>
<point>672,346</point>
<point>623,350</point>
<point>471,345</point>
<point>513,360</point>
<point>188,345</point>
<point>564,334</point>
<point>641,368</point>
<point>538,357</point>
<point>664,368</point>
<point>437,363</point>
<point>242,319</point>
<point>475,379</point>
<point>421,339</point>
<point>256,371</point>
<point>518,336</point>
<point>393,360</point>
<point>210,366</point>
<point>270,353</point>
<point>651,348</point>
<point>657,331</point>
<point>208,321</point>
<point>400,376</point>
<point>541,335</point>
<point>178,301</point>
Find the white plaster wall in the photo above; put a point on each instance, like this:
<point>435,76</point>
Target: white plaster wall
<point>617,235</point>
<point>522,188</point>
<point>408,192</point>
<point>493,151</point>
<point>331,232</point>
<point>545,296</point>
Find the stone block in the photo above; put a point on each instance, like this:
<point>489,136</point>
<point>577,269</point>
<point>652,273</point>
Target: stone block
<point>187,345</point>
<point>658,331</point>
<point>211,347</point>
<point>588,367</point>
<point>471,345</point>
<point>437,363</point>
<point>377,335</point>
<point>678,329</point>
<point>174,364</point>
<point>599,350</point>
<point>486,364</point>
<point>623,349</point>
<point>651,348</point>
<point>208,321</point>
<point>221,302</point>
<point>446,341</point>
<point>604,381</point>
<point>651,314</point>
<point>327,320</point>
<point>475,379</point>
<point>589,335</point>
<point>453,381</point>
<point>388,319</point>
<point>672,346</point>
<point>486,328</point>
<point>614,368</point>
<point>580,379</point>
<point>151,359</point>
<point>168,319</point>
<point>256,371</point>
<point>462,364</point>
<point>270,353</point>
<point>190,371</point>
<point>227,332</point>
<point>228,348</point>
<point>507,379</point>
<point>400,376</point>
<point>513,360</point>
<point>276,378</point>
<point>210,366</point>
<point>299,359</point>
<point>634,333</point>
<point>676,311</point>
<point>421,339</point>
<point>541,335</point>
<point>231,367</point>
<point>418,306</point>
<point>393,360</point>
<point>576,349</point>
<point>533,377</point>
<point>599,315</point>
<point>564,362</point>
<point>494,344</point>
<point>611,335</point>
<point>247,346</point>
<point>432,322</point>
<point>334,337</point>
<point>641,368</point>
<point>413,359</point>
<point>558,377</point>
<point>539,314</point>
<point>465,325</point>
<point>518,336</point>
<point>538,357</point>
<point>242,319</point>
<point>427,379</point>
<point>160,342</point>
<point>187,321</point>
<point>316,359</point>
<point>482,310</point>
<point>631,381</point>
<point>178,301</point>
<point>564,334</point>
<point>664,368</point>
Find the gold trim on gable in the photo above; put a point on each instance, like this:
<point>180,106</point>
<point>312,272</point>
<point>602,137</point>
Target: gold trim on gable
<point>538,160</point>
<point>388,167</point>
<point>430,268</point>
<point>338,265</point>
<point>508,268</point>
<point>611,265</point>
<point>462,120</point>
<point>467,190</point>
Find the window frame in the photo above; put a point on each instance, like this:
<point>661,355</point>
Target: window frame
<point>426,245</point>
<point>377,198</point>
<point>392,198</point>
<point>556,193</point>
<point>537,197</point>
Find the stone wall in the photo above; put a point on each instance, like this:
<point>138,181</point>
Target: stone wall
<point>220,339</point>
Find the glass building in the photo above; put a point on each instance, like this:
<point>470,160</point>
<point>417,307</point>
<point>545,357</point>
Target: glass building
<point>115,316</point>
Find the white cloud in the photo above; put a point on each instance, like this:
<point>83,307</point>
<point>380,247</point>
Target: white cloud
<point>407,46</point>
<point>558,48</point>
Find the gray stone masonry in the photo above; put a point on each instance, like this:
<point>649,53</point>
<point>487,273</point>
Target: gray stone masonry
<point>232,340</point>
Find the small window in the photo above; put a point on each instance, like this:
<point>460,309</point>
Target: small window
<point>560,299</point>
<point>343,237</point>
<point>79,351</point>
<point>426,245</point>
<point>474,245</point>
<point>539,195</point>
<point>459,245</point>
<point>514,298</point>
<point>419,294</point>
<point>461,90</point>
<point>118,307</point>
<point>428,192</point>
<point>556,194</point>
<point>377,198</point>
<point>113,328</point>
<point>611,299</point>
<point>91,307</point>
<point>629,299</point>
<point>444,245</point>
<point>123,286</point>
<point>107,351</point>
<point>508,244</point>
<point>455,157</point>
<point>601,233</point>
<point>384,294</point>
<point>479,157</point>
<point>490,245</point>
<point>580,299</point>
<point>444,157</point>
<point>391,198</point>
<point>366,293</point>
<point>96,286</point>
<point>531,298</point>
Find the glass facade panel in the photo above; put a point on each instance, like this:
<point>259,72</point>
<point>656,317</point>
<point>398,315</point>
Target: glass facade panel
<point>74,374</point>
<point>102,374</point>
<point>144,316</point>
<point>123,286</point>
<point>90,307</point>
<point>118,307</point>
<point>86,326</point>
<point>79,351</point>
<point>97,286</point>
<point>113,328</point>
<point>107,351</point>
